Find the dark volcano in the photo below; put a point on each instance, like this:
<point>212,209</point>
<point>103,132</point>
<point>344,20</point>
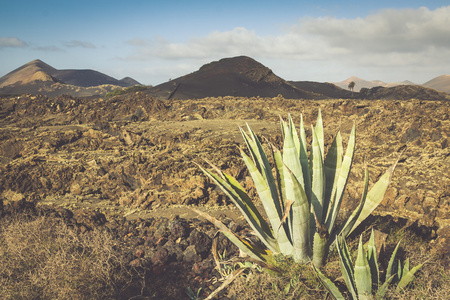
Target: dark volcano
<point>238,76</point>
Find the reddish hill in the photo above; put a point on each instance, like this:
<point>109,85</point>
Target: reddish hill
<point>35,70</point>
<point>440,83</point>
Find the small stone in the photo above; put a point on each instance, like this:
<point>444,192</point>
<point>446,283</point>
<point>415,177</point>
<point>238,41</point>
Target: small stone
<point>190,255</point>
<point>135,263</point>
<point>161,257</point>
<point>139,253</point>
<point>201,241</point>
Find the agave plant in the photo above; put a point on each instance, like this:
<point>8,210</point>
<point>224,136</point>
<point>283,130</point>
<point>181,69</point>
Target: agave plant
<point>363,280</point>
<point>301,195</point>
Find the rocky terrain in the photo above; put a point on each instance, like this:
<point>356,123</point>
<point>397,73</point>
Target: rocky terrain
<point>133,156</point>
<point>132,152</point>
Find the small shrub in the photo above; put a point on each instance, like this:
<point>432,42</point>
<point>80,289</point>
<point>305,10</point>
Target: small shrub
<point>121,91</point>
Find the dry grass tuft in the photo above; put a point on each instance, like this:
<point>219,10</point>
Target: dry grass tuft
<point>45,259</point>
<point>295,281</point>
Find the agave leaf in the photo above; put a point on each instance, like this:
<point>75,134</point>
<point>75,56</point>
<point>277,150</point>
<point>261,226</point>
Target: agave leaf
<point>300,217</point>
<point>399,270</point>
<point>391,262</point>
<point>342,180</point>
<point>279,172</point>
<point>329,285</point>
<point>290,152</point>
<point>252,251</point>
<point>287,210</point>
<point>270,205</point>
<point>363,277</point>
<point>291,162</point>
<point>372,259</point>
<point>346,228</point>
<point>237,194</point>
<point>252,148</point>
<point>346,264</point>
<point>262,163</point>
<point>318,179</point>
<point>408,277</point>
<point>304,160</point>
<point>295,136</point>
<point>332,167</point>
<point>319,133</point>
<point>375,195</point>
<point>319,249</point>
<point>405,267</point>
<point>381,292</point>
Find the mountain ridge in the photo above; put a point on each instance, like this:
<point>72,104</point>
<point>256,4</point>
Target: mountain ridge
<point>239,76</point>
<point>362,83</point>
<point>37,74</point>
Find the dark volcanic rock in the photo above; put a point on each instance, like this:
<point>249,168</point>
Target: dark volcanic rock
<point>201,241</point>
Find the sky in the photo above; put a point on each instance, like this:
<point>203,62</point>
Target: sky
<point>154,41</point>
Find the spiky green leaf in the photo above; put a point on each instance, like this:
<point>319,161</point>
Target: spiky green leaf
<point>346,264</point>
<point>342,180</point>
<point>318,180</point>
<point>318,130</point>
<point>237,194</point>
<point>304,160</point>
<point>329,285</point>
<point>346,228</point>
<point>375,196</point>
<point>251,250</point>
<point>363,277</point>
<point>300,217</point>
<point>408,277</point>
<point>270,205</point>
<point>372,259</point>
<point>390,268</point>
<point>332,167</point>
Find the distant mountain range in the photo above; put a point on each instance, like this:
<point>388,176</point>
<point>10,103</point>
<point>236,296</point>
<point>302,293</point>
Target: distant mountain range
<point>38,77</point>
<point>440,83</point>
<point>361,83</point>
<point>239,76</point>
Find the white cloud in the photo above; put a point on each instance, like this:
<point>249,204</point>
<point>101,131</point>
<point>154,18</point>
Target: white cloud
<point>237,41</point>
<point>79,44</point>
<point>407,30</point>
<point>414,31</point>
<point>402,41</point>
<point>50,48</point>
<point>12,42</point>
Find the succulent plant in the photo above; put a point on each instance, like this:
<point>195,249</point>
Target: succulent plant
<point>301,195</point>
<point>363,280</point>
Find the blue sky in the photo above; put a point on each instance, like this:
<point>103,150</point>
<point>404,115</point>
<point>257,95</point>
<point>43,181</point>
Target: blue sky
<point>153,41</point>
